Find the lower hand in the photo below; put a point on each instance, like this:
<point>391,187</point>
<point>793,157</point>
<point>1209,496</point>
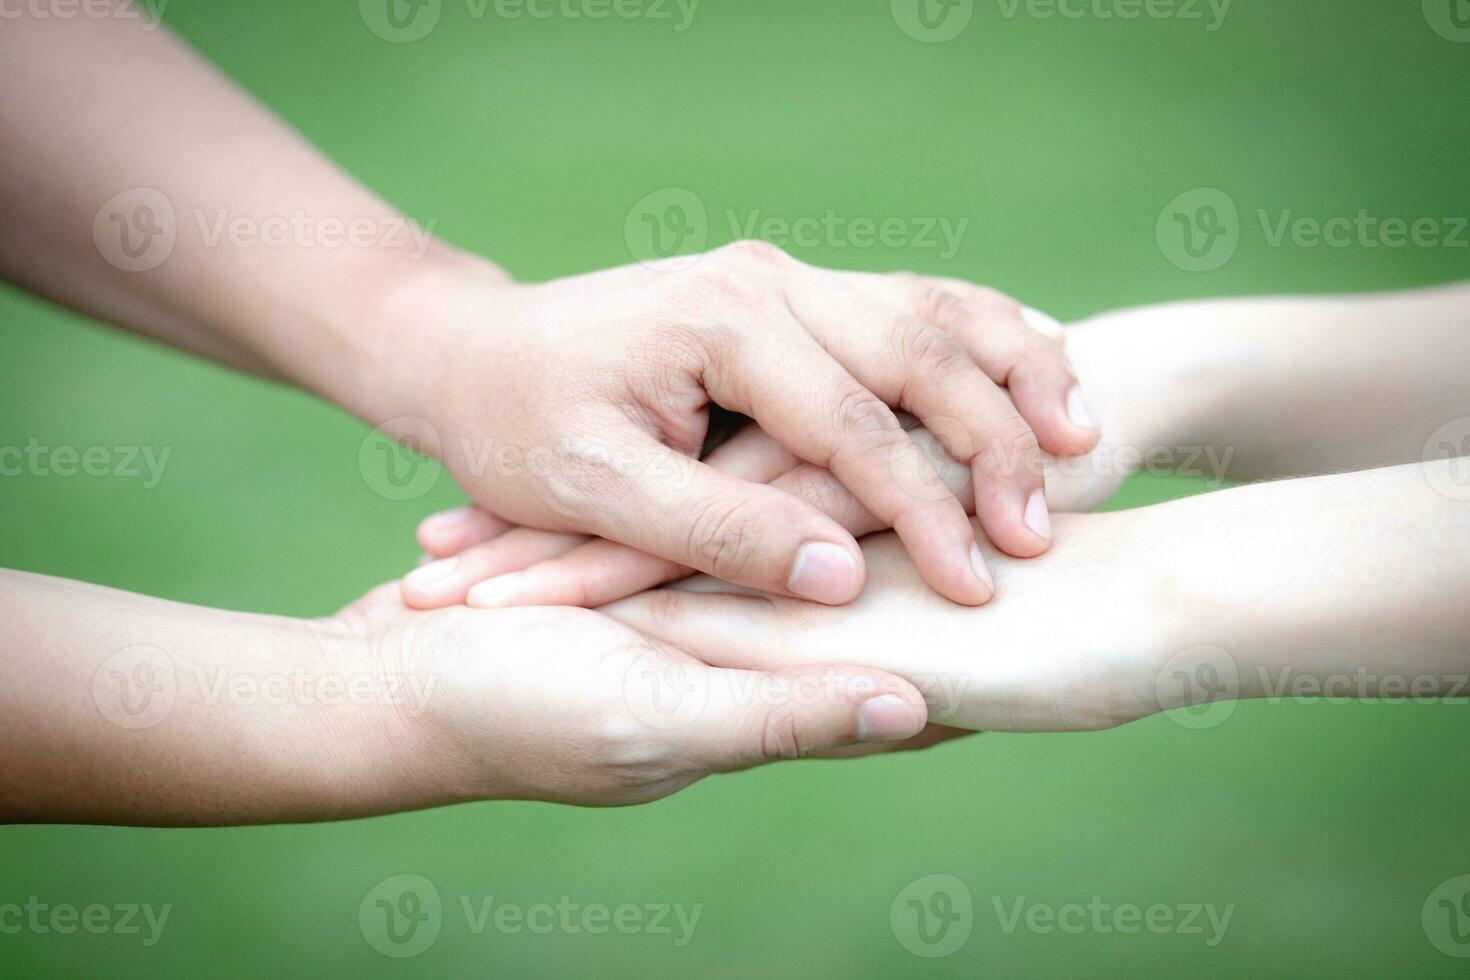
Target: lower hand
<point>569,706</point>
<point>1075,643</point>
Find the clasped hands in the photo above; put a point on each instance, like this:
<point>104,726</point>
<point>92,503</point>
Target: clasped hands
<point>849,650</point>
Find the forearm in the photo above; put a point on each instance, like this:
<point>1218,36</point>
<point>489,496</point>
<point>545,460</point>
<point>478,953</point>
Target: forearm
<point>279,262</point>
<point>1286,386</point>
<point>1358,576</point>
<point>123,709</point>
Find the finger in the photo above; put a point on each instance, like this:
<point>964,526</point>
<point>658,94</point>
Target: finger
<point>809,403</point>
<point>451,531</point>
<point>1045,324</point>
<point>748,533</point>
<point>588,575</point>
<point>1014,353</point>
<point>931,736</point>
<point>447,582</point>
<point>751,718</point>
<point>1017,346</point>
<point>724,630</point>
<point>603,571</point>
<point>922,367</point>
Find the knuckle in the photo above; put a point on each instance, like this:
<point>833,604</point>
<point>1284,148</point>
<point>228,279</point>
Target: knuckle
<point>938,305</point>
<point>821,490</point>
<point>725,537</point>
<point>862,416</point>
<point>719,288</point>
<point>1007,449</point>
<point>755,248</point>
<point>929,347</point>
<point>996,299</point>
<point>781,734</point>
<point>582,477</point>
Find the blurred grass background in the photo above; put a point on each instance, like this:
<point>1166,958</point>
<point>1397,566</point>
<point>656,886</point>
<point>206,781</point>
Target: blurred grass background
<point>1060,140</point>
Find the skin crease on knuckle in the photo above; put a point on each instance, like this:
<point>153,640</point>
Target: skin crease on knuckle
<point>726,536</point>
<point>781,733</point>
<point>864,420</point>
<point>1009,452</point>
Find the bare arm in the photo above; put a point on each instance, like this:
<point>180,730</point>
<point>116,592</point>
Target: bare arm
<point>1352,585</point>
<point>1288,386</point>
<point>118,708</point>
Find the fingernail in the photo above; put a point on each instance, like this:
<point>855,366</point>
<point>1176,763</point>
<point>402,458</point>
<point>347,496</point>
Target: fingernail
<point>824,572</point>
<point>494,592</point>
<point>1037,518</point>
<point>886,718</point>
<point>1039,321</point>
<point>1078,410</point>
<point>432,574</point>
<point>982,570</point>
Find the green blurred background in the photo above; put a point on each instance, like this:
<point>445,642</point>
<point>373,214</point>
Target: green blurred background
<point>1061,140</point>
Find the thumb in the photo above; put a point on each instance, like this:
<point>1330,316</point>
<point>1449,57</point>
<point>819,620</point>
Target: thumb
<point>755,717</point>
<point>747,533</point>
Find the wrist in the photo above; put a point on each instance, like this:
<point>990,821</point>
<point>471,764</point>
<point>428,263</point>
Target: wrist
<point>1125,366</point>
<point>391,332</point>
<point>387,747</point>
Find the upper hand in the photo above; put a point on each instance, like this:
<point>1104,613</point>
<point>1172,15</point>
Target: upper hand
<point>577,406</point>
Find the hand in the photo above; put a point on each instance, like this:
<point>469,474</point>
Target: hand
<point>596,387</point>
<point>568,706</point>
<point>1075,643</point>
<point>489,563</point>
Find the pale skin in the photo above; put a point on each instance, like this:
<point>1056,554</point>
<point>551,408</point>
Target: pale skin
<point>571,705</point>
<point>262,719</point>
<point>1318,577</point>
<point>1349,581</point>
<point>609,376</point>
<point>1233,390</point>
